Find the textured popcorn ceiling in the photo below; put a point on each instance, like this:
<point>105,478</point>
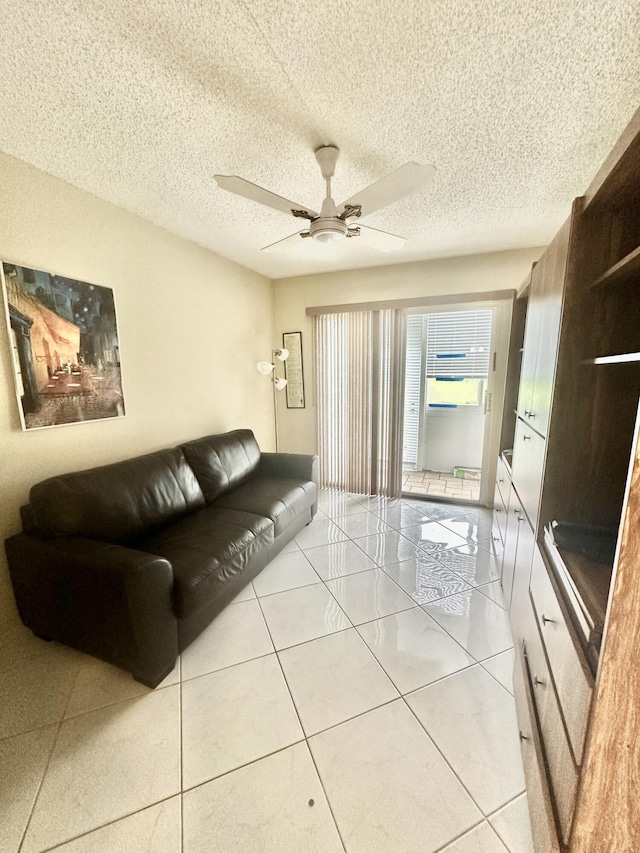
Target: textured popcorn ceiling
<point>141,101</point>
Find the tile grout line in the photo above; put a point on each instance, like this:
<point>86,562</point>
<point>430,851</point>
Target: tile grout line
<point>109,704</point>
<point>508,803</point>
<point>304,734</point>
<point>37,796</point>
<point>129,814</point>
<point>493,676</point>
<point>107,823</point>
<point>53,746</point>
<point>59,723</point>
<point>468,832</point>
<point>445,759</point>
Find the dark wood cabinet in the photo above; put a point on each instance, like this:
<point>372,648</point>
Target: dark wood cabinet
<point>543,318</point>
<point>571,566</point>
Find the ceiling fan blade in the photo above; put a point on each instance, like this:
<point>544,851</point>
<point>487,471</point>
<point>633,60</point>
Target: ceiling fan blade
<point>239,186</point>
<point>394,186</point>
<point>286,242</point>
<point>380,240</point>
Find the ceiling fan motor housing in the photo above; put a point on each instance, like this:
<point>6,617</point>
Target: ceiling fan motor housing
<point>329,230</point>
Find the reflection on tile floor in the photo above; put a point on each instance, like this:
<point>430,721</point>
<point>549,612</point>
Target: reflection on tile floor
<point>441,484</point>
<point>355,697</point>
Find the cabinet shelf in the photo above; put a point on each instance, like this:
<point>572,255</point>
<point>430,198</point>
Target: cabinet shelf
<point>622,272</point>
<point>623,358</point>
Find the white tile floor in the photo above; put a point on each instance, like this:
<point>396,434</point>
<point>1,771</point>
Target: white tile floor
<point>356,697</point>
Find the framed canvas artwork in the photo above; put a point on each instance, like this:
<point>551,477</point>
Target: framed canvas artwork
<point>65,348</point>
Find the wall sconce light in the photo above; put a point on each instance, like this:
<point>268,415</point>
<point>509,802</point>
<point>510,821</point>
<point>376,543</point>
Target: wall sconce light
<point>267,368</point>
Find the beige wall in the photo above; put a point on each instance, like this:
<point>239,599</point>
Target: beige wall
<point>192,326</point>
<point>472,274</point>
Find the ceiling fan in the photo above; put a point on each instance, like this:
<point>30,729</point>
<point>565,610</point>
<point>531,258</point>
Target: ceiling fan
<point>333,224</point>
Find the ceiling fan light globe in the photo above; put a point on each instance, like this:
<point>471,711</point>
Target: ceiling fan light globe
<point>328,230</point>
<point>328,237</point>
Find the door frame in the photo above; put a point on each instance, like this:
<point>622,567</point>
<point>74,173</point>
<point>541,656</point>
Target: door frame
<point>496,381</point>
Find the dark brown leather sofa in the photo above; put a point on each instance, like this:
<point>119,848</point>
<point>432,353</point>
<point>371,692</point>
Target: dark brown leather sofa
<point>130,562</point>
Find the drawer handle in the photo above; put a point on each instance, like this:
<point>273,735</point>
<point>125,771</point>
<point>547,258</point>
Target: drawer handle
<point>501,481</point>
<point>495,538</point>
<point>538,681</point>
<point>546,619</point>
<point>526,413</point>
<point>497,509</point>
<point>526,438</point>
<point>520,518</point>
<point>531,415</point>
<point>523,736</point>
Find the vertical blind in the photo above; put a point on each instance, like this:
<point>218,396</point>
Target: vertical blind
<point>360,389</point>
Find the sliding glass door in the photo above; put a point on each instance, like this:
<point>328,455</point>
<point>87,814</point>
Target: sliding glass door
<point>449,377</point>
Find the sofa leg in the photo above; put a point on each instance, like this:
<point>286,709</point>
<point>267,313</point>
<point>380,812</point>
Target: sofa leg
<point>152,679</point>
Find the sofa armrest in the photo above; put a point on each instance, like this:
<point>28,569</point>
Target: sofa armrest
<point>297,465</point>
<point>107,600</point>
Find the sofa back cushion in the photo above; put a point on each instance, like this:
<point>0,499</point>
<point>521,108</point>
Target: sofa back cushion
<point>222,461</point>
<point>119,502</point>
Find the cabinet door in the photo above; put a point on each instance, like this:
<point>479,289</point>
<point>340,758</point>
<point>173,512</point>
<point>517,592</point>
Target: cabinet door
<point>520,606</point>
<point>530,346</point>
<point>528,466</point>
<point>503,480</point>
<point>547,291</point>
<point>500,512</point>
<point>514,514</point>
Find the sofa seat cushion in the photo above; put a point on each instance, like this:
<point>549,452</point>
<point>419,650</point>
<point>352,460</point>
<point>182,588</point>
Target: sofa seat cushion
<point>207,551</point>
<point>278,498</point>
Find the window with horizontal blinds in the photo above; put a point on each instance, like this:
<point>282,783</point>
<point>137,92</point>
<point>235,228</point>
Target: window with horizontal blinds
<point>458,344</point>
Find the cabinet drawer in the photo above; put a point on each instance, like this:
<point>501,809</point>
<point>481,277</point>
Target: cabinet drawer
<point>543,827</point>
<point>562,770</point>
<point>573,681</point>
<point>528,465</point>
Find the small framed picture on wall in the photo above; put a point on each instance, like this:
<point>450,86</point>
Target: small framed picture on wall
<point>293,370</point>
